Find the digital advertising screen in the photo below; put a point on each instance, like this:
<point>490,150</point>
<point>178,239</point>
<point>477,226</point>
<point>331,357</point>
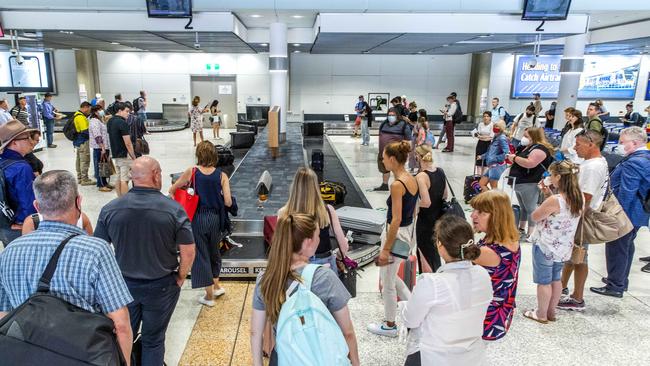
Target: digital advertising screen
<point>647,89</point>
<point>546,9</point>
<point>169,8</point>
<point>606,77</point>
<point>29,72</point>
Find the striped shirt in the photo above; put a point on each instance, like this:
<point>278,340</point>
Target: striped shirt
<point>87,274</point>
<point>20,114</point>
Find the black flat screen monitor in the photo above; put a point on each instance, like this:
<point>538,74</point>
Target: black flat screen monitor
<point>169,8</point>
<point>546,9</point>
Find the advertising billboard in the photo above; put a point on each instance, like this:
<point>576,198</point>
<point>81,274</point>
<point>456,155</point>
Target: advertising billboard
<point>27,72</point>
<point>647,89</point>
<point>606,77</point>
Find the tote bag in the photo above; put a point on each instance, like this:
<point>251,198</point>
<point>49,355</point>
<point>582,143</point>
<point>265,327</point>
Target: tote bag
<point>188,198</point>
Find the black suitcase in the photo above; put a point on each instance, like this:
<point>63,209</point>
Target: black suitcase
<point>471,187</point>
<point>333,193</point>
<point>242,140</point>
<point>246,128</point>
<point>225,156</point>
<point>317,160</point>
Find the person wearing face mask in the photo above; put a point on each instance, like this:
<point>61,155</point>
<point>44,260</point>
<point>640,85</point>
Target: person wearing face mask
<point>567,146</point>
<point>99,142</point>
<point>495,157</point>
<point>630,184</point>
<point>394,129</point>
<point>521,123</point>
<point>528,167</point>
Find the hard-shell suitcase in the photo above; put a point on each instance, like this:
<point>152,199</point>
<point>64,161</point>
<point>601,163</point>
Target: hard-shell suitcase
<point>317,160</point>
<point>242,140</point>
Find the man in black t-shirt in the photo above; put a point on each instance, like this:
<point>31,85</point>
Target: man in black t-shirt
<point>121,146</point>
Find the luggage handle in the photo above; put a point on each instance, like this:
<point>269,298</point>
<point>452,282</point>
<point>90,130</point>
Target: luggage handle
<point>44,281</point>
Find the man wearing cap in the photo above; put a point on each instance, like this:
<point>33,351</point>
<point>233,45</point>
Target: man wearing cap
<point>48,118</point>
<point>18,176</point>
<point>19,111</point>
<point>5,116</point>
<point>81,144</point>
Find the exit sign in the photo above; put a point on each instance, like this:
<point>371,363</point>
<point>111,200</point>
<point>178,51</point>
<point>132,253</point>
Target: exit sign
<point>212,67</point>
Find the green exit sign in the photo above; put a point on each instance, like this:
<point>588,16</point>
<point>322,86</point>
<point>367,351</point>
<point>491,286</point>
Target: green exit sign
<point>210,67</point>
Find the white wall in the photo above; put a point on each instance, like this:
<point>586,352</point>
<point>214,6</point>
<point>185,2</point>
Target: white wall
<point>331,84</point>
<point>167,75</point>
<point>65,71</point>
<point>501,80</point>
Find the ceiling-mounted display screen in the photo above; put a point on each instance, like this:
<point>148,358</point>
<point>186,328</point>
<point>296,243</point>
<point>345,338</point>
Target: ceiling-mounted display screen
<point>27,72</point>
<point>169,8</point>
<point>546,9</point>
<point>606,77</point>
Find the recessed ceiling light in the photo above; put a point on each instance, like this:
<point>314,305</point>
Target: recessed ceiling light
<point>296,51</point>
<point>115,43</point>
<point>264,44</point>
<point>297,16</point>
<point>296,44</point>
<point>256,16</point>
<point>420,52</point>
<point>445,45</point>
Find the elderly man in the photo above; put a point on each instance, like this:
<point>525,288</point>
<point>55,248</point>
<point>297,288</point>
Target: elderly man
<point>19,111</point>
<point>5,116</point>
<point>631,186</point>
<point>87,274</point>
<point>148,229</point>
<point>18,178</point>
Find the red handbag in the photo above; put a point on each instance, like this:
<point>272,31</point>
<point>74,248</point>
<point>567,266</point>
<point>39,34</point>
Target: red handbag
<point>270,222</point>
<point>189,200</point>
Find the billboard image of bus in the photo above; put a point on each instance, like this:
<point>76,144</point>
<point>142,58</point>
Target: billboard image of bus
<point>609,77</point>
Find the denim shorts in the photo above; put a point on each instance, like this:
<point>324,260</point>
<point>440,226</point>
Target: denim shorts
<point>495,172</point>
<point>545,270</point>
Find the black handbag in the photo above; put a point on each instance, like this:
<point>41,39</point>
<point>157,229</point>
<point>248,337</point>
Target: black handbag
<point>47,330</point>
<point>347,267</point>
<point>105,166</point>
<point>452,207</point>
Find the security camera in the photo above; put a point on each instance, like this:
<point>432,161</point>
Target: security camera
<point>13,51</point>
<point>532,63</point>
<point>197,46</point>
<point>20,59</point>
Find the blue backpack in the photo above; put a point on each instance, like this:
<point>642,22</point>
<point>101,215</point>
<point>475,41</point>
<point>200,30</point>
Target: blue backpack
<point>431,138</point>
<point>506,116</point>
<point>307,334</point>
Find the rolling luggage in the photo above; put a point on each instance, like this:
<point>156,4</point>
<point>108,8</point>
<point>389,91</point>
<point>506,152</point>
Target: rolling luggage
<point>365,224</point>
<point>246,128</point>
<point>516,209</point>
<point>317,160</point>
<point>225,156</point>
<point>333,193</point>
<point>242,140</point>
<point>471,186</point>
<point>407,271</point>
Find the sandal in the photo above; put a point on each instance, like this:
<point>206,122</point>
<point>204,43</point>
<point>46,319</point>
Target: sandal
<point>532,314</point>
<point>554,319</point>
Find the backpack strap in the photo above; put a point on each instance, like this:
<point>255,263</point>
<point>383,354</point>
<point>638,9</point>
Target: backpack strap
<point>44,281</point>
<point>308,274</point>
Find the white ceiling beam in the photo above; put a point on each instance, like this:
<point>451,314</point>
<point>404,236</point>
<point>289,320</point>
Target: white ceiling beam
<point>294,35</point>
<point>621,32</point>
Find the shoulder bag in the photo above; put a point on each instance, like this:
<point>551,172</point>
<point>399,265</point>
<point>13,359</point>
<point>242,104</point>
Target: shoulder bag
<point>187,197</point>
<point>452,207</point>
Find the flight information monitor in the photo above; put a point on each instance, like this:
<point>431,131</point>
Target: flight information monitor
<point>546,9</point>
<point>169,8</point>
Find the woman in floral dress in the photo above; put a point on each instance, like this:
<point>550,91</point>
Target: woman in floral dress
<point>196,118</point>
<point>500,256</point>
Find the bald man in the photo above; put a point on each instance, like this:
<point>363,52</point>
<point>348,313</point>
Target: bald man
<point>148,229</point>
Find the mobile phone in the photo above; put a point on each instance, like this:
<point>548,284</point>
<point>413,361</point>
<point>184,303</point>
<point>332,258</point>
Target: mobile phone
<point>26,74</point>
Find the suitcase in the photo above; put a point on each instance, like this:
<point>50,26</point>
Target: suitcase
<point>516,209</point>
<point>471,187</point>
<point>246,128</point>
<point>242,140</point>
<point>333,193</point>
<point>317,160</point>
<point>225,156</point>
<point>407,271</point>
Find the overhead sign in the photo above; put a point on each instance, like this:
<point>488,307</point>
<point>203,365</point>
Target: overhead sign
<point>606,77</point>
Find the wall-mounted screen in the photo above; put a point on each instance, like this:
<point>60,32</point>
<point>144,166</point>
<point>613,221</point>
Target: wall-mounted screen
<point>606,77</point>
<point>169,8</point>
<point>546,9</point>
<point>29,72</point>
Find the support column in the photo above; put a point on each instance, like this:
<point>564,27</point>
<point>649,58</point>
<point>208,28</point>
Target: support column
<point>479,81</point>
<point>279,68</point>
<point>571,67</point>
<point>87,72</point>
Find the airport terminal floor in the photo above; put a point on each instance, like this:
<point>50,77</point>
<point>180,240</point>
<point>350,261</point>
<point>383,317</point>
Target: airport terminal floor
<point>609,332</point>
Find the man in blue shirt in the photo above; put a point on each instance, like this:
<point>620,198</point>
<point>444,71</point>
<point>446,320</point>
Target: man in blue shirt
<point>18,176</point>
<point>87,274</point>
<point>48,118</point>
<point>498,112</point>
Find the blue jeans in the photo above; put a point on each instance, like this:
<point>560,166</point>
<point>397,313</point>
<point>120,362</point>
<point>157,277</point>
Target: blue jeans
<point>142,116</point>
<point>49,130</point>
<point>619,254</point>
<point>365,132</point>
<point>97,155</point>
<point>331,260</point>
<point>152,307</point>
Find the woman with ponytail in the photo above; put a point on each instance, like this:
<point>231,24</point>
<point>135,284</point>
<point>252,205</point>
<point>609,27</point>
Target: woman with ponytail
<point>557,220</point>
<point>446,311</point>
<point>399,226</point>
<point>294,242</point>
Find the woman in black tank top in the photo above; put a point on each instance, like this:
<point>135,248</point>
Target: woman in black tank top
<point>431,185</point>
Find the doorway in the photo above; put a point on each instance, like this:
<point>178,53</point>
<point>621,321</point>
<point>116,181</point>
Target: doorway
<point>221,88</point>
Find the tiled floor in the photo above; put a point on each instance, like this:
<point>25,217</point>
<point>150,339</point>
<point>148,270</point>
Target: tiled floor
<point>609,332</point>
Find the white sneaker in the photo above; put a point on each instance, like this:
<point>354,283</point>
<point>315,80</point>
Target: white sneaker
<point>383,330</point>
<point>219,292</point>
<point>205,302</point>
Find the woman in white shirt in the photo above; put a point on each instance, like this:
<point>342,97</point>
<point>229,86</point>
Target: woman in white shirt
<point>446,310</point>
<point>99,144</point>
<point>484,134</point>
<point>567,147</point>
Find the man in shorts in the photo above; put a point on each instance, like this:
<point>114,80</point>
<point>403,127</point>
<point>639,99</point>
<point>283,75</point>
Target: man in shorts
<point>392,130</point>
<point>121,146</point>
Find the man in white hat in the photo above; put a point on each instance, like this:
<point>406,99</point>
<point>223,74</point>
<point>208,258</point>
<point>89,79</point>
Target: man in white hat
<point>17,194</point>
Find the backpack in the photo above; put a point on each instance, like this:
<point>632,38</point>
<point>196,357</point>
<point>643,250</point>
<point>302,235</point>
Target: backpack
<point>381,127</point>
<point>506,116</point>
<point>136,105</point>
<point>69,129</point>
<point>47,330</point>
<point>430,139</point>
<point>7,215</point>
<point>307,334</point>
<point>458,114</point>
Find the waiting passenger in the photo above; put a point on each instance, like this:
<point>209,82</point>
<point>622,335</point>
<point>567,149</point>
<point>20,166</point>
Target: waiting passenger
<point>601,111</point>
<point>399,226</point>
<point>87,274</point>
<point>631,117</point>
<point>528,167</point>
<point>451,119</point>
<point>148,230</point>
<point>33,221</point>
<point>20,111</point>
<point>484,134</point>
<point>415,129</point>
<point>558,218</point>
<point>596,115</point>
<point>215,118</point>
<point>537,104</point>
<point>446,311</point>
<point>523,121</point>
<point>99,142</point>
<point>5,116</point>
<point>196,118</point>
<point>432,189</point>
<point>32,159</point>
<point>366,123</point>
<point>18,175</point>
<point>81,144</point>
<point>394,129</point>
<point>575,126</point>
<point>495,157</point>
<point>137,130</point>
<point>304,197</point>
<point>500,255</point>
<point>295,241</point>
<point>212,186</point>
<point>121,146</point>
<point>550,116</point>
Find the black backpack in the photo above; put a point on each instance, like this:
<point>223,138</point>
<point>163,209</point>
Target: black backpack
<point>136,105</point>
<point>69,130</point>
<point>47,330</point>
<point>458,114</point>
<point>6,213</point>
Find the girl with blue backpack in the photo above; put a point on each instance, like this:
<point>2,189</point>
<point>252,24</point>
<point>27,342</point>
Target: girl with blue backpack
<point>305,303</point>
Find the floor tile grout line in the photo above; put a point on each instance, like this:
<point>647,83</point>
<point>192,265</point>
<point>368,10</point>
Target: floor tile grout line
<point>628,294</point>
<point>241,316</point>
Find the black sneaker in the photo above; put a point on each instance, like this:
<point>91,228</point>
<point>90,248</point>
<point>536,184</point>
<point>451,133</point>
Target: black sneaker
<point>571,304</point>
<point>645,259</point>
<point>646,268</point>
<point>565,291</point>
<point>381,188</point>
